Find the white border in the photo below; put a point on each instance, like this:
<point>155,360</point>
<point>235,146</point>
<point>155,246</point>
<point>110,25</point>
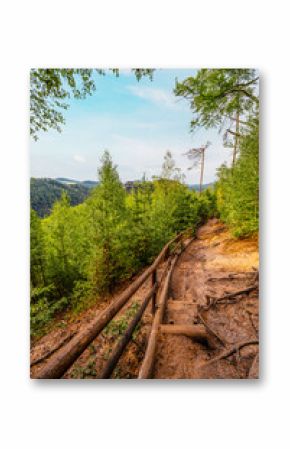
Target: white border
<point>157,34</point>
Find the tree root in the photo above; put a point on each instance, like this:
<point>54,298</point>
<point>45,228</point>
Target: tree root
<point>229,298</point>
<point>209,329</point>
<point>232,276</point>
<point>231,351</point>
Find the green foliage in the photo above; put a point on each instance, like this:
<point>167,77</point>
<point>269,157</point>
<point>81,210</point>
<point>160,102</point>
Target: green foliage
<point>45,192</point>
<point>37,255</point>
<point>51,89</point>
<point>107,222</point>
<point>85,251</point>
<point>219,97</point>
<point>216,94</point>
<point>118,326</point>
<point>238,188</point>
<point>43,308</point>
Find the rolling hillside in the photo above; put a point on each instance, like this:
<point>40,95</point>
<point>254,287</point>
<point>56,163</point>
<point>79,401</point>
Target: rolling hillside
<point>45,191</point>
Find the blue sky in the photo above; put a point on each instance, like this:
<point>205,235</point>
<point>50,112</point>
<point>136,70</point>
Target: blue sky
<point>136,121</point>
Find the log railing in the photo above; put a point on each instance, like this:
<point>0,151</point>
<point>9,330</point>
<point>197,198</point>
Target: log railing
<point>62,360</point>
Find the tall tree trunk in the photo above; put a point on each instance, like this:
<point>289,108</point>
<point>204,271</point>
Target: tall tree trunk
<point>201,170</point>
<point>236,138</point>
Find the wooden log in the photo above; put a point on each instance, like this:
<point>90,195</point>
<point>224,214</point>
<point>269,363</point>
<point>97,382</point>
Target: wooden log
<point>59,363</point>
<point>154,281</point>
<point>148,361</point>
<point>196,332</point>
<point>119,349</point>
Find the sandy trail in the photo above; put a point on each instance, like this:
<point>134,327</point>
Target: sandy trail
<point>213,265</point>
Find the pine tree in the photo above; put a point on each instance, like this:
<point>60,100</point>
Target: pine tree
<point>107,210</point>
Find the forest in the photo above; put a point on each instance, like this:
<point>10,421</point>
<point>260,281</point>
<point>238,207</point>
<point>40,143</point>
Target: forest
<point>44,192</point>
<point>82,253</point>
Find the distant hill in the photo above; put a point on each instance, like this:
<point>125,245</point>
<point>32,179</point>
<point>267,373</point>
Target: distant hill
<point>45,191</point>
<point>89,184</point>
<point>196,186</point>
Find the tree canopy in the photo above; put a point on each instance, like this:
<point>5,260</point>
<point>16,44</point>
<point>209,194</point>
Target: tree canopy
<point>51,89</point>
<point>216,94</point>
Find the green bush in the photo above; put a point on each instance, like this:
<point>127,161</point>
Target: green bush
<point>238,188</point>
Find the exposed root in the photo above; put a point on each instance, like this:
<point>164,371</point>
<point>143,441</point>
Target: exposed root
<point>229,298</point>
<point>231,350</point>
<point>209,329</point>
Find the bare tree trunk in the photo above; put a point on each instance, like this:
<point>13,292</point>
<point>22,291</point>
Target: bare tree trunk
<point>201,170</point>
<point>236,138</point>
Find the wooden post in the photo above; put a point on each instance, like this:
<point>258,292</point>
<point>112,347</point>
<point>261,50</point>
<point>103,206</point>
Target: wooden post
<point>154,281</point>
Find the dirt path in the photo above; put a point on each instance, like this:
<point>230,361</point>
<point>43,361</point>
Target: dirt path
<point>213,265</point>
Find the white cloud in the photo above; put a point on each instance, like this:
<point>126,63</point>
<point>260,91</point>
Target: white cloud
<point>79,158</point>
<point>157,96</point>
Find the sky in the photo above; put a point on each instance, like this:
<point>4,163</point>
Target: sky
<point>137,122</point>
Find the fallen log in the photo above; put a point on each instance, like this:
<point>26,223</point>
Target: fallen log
<point>59,363</point>
<point>119,349</point>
